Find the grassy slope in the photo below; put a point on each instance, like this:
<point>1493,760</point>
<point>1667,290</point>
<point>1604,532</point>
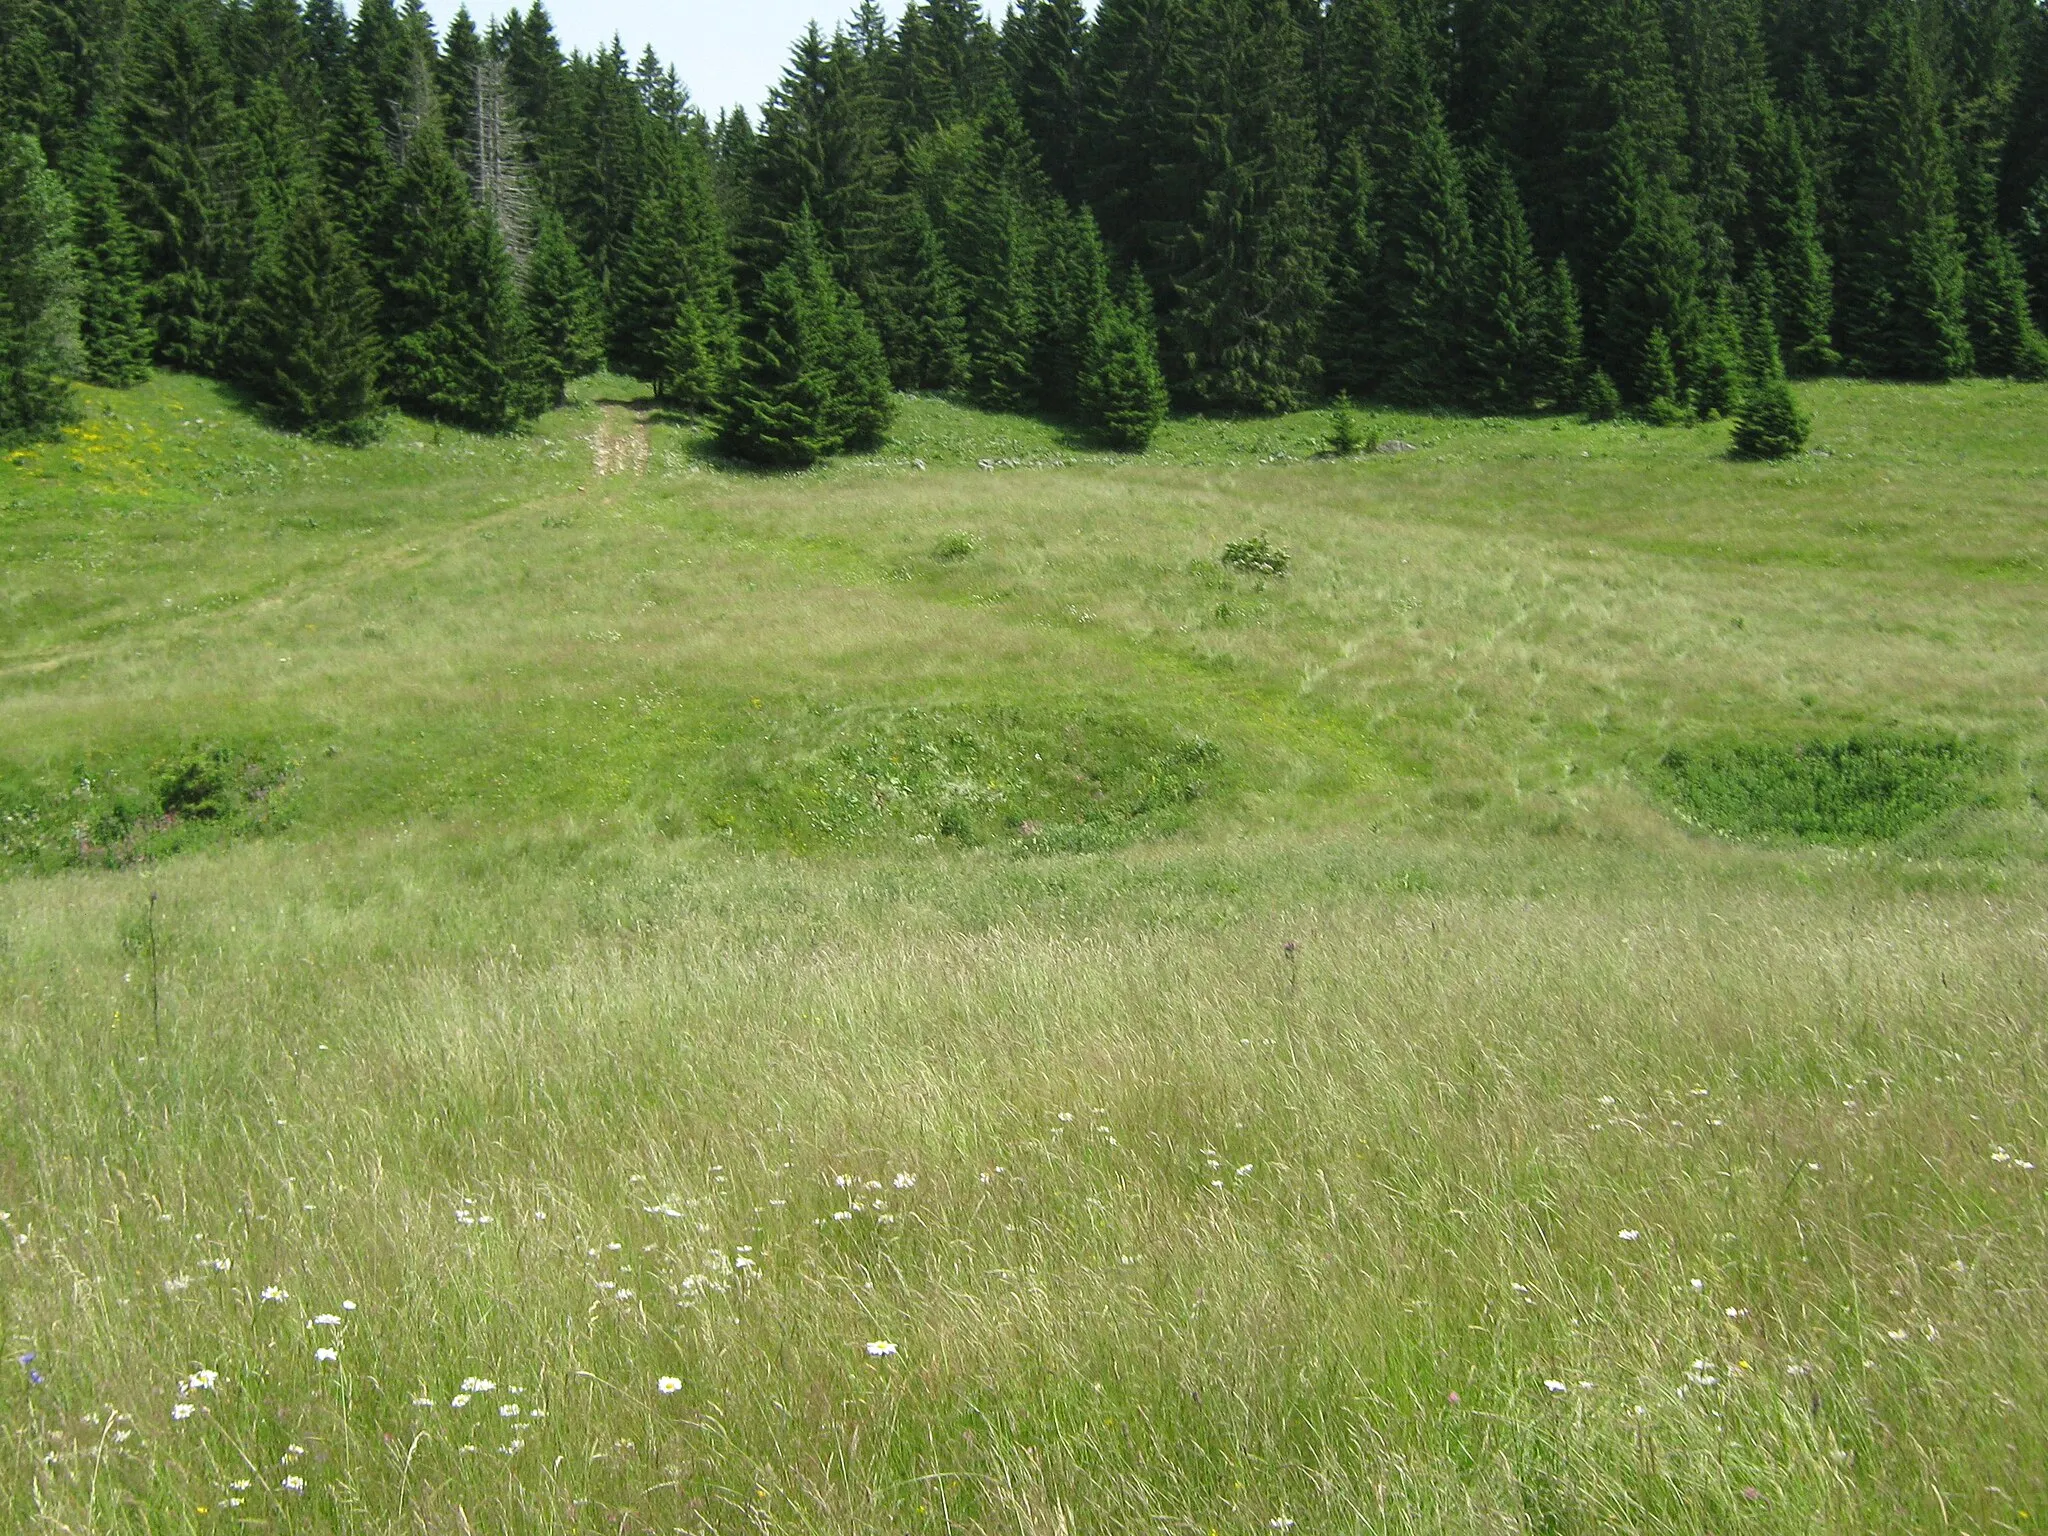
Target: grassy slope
<point>532,942</point>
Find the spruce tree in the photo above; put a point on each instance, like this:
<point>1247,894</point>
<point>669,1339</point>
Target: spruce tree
<point>1598,398</point>
<point>1788,233</point>
<point>811,379</point>
<point>862,401</point>
<point>1650,284</point>
<point>1902,286</point>
<point>355,162</point>
<point>114,335</point>
<point>562,307</point>
<point>1718,372</point>
<point>1657,381</point>
<point>177,155</point>
<point>993,244</point>
<point>1074,286</point>
<point>1427,268</point>
<point>1120,393</point>
<point>928,348</point>
<point>314,321</point>
<point>2003,335</point>
<point>1041,46</point>
<point>459,347</point>
<point>1250,270</point>
<point>671,286</point>
<point>1768,423</point>
<point>777,403</point>
<point>38,314</point>
<point>1561,340</point>
<point>1354,325</point>
<point>505,384</point>
<point>1505,345</point>
<point>1134,140</point>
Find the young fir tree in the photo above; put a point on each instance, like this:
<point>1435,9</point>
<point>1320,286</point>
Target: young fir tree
<point>1598,398</point>
<point>810,378</point>
<point>1354,330</point>
<point>1074,285</point>
<point>1719,369</point>
<point>777,404</point>
<point>1120,394</point>
<point>459,348</point>
<point>1426,269</point>
<point>38,315</point>
<point>1788,233</point>
<point>993,244</point>
<point>1505,345</point>
<point>313,318</point>
<point>1658,402</point>
<point>1902,286</point>
<point>671,287</point>
<point>115,336</point>
<point>505,383</point>
<point>2003,335</point>
<point>1650,283</point>
<point>1768,423</point>
<point>1561,340</point>
<point>861,399</point>
<point>562,308</point>
<point>928,349</point>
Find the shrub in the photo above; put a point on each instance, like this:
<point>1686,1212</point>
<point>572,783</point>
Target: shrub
<point>1255,557</point>
<point>1865,788</point>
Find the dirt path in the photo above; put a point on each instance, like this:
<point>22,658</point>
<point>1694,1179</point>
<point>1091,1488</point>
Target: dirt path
<point>619,446</point>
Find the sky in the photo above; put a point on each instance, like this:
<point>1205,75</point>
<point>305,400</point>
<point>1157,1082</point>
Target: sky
<point>728,52</point>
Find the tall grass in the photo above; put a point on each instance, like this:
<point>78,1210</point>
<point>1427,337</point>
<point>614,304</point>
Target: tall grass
<point>1575,1171</point>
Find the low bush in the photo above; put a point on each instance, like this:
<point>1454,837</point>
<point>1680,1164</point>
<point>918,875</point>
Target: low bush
<point>1255,557</point>
<point>1857,789</point>
<point>113,814</point>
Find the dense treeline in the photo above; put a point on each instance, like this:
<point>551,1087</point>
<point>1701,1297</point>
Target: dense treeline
<point>1643,206</point>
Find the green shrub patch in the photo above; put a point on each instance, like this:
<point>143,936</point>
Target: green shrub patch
<point>112,813</point>
<point>1034,779</point>
<point>1854,789</point>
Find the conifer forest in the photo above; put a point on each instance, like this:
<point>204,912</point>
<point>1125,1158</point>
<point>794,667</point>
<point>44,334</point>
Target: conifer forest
<point>1233,206</point>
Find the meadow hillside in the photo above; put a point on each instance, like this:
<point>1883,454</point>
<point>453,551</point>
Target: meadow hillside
<point>550,984</point>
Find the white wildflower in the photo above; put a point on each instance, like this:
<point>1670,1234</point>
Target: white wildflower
<point>293,1483</point>
<point>326,1353</point>
<point>668,1386</point>
<point>276,1293</point>
<point>880,1347</point>
<point>1551,1384</point>
<point>905,1181</point>
<point>182,1410</point>
<point>459,1400</point>
<point>1628,1234</point>
<point>478,1384</point>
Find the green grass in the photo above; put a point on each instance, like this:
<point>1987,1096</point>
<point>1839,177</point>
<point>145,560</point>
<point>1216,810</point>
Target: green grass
<point>1281,994</point>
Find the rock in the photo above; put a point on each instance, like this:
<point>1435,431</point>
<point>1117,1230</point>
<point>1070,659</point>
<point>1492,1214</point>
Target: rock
<point>1395,445</point>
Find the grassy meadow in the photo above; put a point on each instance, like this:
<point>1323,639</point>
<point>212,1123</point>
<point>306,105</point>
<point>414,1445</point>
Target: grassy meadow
<point>551,985</point>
